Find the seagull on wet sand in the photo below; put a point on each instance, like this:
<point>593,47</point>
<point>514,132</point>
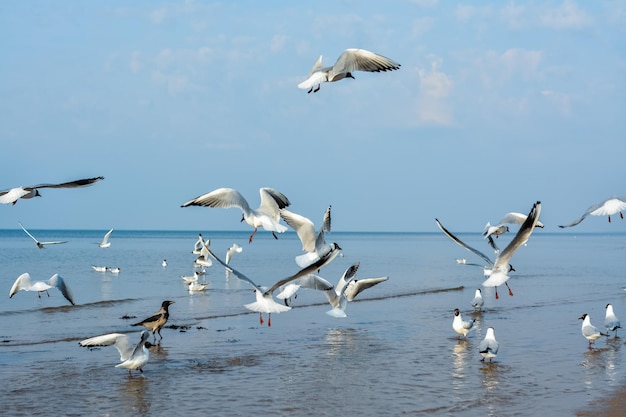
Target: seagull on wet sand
<point>23,283</point>
<point>40,245</point>
<point>488,347</point>
<point>105,240</point>
<point>266,215</point>
<point>477,301</point>
<point>313,244</point>
<point>11,196</point>
<point>349,61</point>
<point>131,356</point>
<point>611,322</point>
<point>460,326</point>
<point>156,322</point>
<point>607,207</point>
<point>590,332</point>
<point>265,302</point>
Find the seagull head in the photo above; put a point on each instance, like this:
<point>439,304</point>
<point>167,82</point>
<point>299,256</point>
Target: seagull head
<point>582,317</point>
<point>349,75</point>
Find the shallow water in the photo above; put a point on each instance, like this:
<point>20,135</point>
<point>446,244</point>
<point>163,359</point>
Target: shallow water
<point>394,354</point>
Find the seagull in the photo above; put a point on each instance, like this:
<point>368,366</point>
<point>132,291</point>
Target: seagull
<point>164,263</point>
<point>608,208</point>
<point>611,322</point>
<point>156,322</point>
<point>114,270</point>
<point>478,301</point>
<point>460,326</point>
<point>265,302</point>
<point>11,196</point>
<point>105,240</point>
<point>339,295</point>
<point>489,346</point>
<point>498,274</point>
<point>198,286</point>
<point>496,230</point>
<point>131,356</point>
<point>266,215</point>
<point>235,248</point>
<point>197,247</point>
<point>40,245</point>
<point>589,330</point>
<point>23,283</point>
<point>314,244</point>
<point>349,61</point>
<point>99,268</point>
<point>190,279</point>
<point>203,259</point>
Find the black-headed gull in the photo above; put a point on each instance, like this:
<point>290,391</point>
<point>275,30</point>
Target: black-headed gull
<point>266,215</point>
<point>197,286</point>
<point>164,263</point>
<point>460,326</point>
<point>488,347</point>
<point>156,322</point>
<point>99,268</point>
<point>313,243</point>
<point>608,207</point>
<point>611,322</point>
<point>590,332</point>
<point>235,248</point>
<point>349,61</point>
<point>477,301</point>
<point>132,356</point>
<point>23,283</point>
<point>40,245</point>
<point>105,240</point>
<point>265,302</point>
<point>347,288</point>
<point>11,196</point>
<point>496,230</point>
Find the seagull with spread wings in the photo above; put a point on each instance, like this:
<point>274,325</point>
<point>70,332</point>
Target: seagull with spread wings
<point>12,195</point>
<point>40,245</point>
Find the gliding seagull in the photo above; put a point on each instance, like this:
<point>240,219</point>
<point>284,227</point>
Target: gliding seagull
<point>11,196</point>
<point>40,245</point>
<point>607,207</point>
<point>22,283</point>
<point>510,218</point>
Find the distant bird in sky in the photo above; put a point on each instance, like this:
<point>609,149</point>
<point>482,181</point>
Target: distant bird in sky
<point>489,346</point>
<point>40,245</point>
<point>349,61</point>
<point>477,301</point>
<point>265,302</point>
<point>156,322</point>
<point>460,326</point>
<point>12,195</point>
<point>495,230</point>
<point>607,207</point>
<point>590,332</point>
<point>235,248</point>
<point>313,243</point>
<point>266,215</point>
<point>611,322</point>
<point>132,356</point>
<point>23,283</point>
<point>105,240</point>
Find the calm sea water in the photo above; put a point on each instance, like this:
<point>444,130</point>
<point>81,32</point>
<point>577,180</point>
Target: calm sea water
<point>395,353</point>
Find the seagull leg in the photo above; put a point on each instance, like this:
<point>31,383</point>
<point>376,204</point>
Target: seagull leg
<point>609,219</point>
<point>308,92</point>
<point>252,235</point>
<point>510,292</point>
<point>318,88</point>
<point>497,296</point>
<point>269,319</point>
<point>261,318</point>
<point>274,234</point>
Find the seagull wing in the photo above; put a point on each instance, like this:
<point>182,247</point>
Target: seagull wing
<point>105,239</point>
<point>221,198</point>
<point>12,195</point>
<point>21,283</point>
<point>362,60</point>
<point>26,231</point>
<point>461,243</point>
<point>304,229</point>
<point>356,286</point>
<point>526,229</point>
<point>57,281</point>
<point>120,341</point>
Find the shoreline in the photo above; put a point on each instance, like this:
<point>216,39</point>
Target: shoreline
<point>615,406</point>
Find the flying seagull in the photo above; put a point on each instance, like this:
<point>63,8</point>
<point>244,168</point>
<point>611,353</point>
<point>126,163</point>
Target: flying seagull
<point>607,207</point>
<point>131,356</point>
<point>40,245</point>
<point>495,230</point>
<point>105,240</point>
<point>11,196</point>
<point>23,283</point>
<point>235,248</point>
<point>349,61</point>
<point>156,322</point>
<point>266,215</point>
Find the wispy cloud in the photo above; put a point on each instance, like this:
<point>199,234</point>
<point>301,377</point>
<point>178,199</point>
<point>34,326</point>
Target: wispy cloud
<point>567,16</point>
<point>435,88</point>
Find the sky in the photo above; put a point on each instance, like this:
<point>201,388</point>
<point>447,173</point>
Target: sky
<point>496,105</point>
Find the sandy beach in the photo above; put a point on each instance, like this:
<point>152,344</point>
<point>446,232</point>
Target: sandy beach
<point>615,406</point>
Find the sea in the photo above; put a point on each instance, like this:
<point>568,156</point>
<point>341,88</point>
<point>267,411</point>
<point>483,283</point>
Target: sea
<point>394,354</point>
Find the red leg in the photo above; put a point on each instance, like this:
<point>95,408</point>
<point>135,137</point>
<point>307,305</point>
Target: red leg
<point>497,296</point>
<point>510,292</point>
<point>252,235</point>
<point>261,318</point>
<point>269,319</point>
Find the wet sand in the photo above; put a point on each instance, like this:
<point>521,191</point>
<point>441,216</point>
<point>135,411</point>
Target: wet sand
<point>613,407</point>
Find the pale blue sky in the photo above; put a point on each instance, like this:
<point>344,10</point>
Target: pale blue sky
<point>497,104</point>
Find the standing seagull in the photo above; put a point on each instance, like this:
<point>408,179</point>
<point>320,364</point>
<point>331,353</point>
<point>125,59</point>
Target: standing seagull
<point>131,356</point>
<point>23,283</point>
<point>314,244</point>
<point>105,240</point>
<point>460,326</point>
<point>11,196</point>
<point>156,322</point>
<point>611,322</point>
<point>349,61</point>
<point>477,301</point>
<point>266,215</point>
<point>265,302</point>
<point>489,346</point>
<point>40,245</point>
<point>608,208</point>
<point>589,330</point>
